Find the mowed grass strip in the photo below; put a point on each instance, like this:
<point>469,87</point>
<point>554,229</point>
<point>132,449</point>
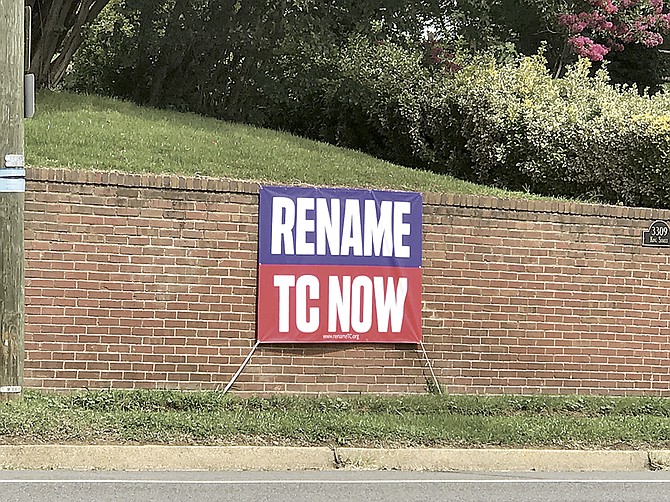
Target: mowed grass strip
<point>212,418</point>
<point>92,132</point>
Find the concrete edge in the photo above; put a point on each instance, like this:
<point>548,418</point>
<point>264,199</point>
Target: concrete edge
<point>495,460</point>
<point>659,459</point>
<point>164,458</point>
<point>266,458</point>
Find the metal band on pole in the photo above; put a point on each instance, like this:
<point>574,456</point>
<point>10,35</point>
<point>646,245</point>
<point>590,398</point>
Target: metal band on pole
<point>12,179</point>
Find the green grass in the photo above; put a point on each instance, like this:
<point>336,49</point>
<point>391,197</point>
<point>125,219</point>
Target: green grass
<point>91,132</point>
<point>212,418</point>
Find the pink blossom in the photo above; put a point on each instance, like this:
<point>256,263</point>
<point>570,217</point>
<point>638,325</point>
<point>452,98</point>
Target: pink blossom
<point>611,24</point>
<point>586,47</point>
<point>652,40</point>
<point>657,5</point>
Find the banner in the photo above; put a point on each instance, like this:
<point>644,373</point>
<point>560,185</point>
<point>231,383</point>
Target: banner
<point>339,265</point>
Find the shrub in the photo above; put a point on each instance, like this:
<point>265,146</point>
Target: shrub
<point>104,63</point>
<point>577,136</point>
<point>367,95</point>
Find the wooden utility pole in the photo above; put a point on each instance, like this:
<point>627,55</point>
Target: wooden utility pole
<point>12,188</point>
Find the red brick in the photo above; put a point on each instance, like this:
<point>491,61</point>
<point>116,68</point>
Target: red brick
<point>519,296</point>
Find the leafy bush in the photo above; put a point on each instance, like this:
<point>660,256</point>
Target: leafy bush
<point>104,62</point>
<point>577,136</point>
<point>367,95</point>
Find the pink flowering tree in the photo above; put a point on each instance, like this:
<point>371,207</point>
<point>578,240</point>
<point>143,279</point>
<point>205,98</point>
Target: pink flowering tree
<point>610,25</point>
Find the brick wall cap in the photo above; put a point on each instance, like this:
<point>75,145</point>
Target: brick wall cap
<point>210,184</point>
<point>142,180</point>
<point>551,206</point>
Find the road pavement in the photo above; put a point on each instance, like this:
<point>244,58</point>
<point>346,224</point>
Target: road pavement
<point>367,486</point>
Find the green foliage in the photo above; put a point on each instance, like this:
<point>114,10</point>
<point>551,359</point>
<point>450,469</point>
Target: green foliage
<point>195,55</point>
<point>483,23</point>
<point>223,57</point>
<point>647,68</point>
<point>365,95</point>
<point>575,136</point>
<point>104,62</point>
<point>507,27</point>
<point>510,27</point>
<point>361,85</point>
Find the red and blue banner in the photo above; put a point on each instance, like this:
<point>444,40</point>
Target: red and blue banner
<point>339,265</point>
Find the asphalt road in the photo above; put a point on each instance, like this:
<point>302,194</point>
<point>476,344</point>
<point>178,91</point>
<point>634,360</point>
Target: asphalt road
<point>42,486</point>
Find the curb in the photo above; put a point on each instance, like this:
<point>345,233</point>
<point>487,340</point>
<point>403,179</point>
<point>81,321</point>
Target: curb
<point>496,460</point>
<point>659,460</point>
<point>268,458</point>
<point>165,458</point>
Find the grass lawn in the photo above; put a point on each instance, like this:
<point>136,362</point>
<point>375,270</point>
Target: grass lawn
<point>211,418</point>
<point>92,132</point>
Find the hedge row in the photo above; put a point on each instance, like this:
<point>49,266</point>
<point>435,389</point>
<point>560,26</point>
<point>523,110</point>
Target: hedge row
<point>577,136</point>
<point>511,125</point>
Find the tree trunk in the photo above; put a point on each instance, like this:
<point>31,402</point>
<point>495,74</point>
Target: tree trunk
<point>142,57</point>
<point>169,57</point>
<point>88,11</point>
<point>57,34</point>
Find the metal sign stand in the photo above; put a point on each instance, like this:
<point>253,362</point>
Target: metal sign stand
<point>239,371</point>
<point>430,368</point>
<point>253,349</point>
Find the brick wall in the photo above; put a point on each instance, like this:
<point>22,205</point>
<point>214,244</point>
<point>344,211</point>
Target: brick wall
<point>150,281</point>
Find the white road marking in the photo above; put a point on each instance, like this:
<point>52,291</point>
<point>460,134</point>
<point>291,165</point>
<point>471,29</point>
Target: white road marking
<point>333,481</point>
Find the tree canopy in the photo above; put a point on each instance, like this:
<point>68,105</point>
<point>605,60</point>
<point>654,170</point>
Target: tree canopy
<point>597,29</point>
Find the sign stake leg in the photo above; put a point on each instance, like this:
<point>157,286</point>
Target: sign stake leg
<point>430,368</point>
<point>241,368</point>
